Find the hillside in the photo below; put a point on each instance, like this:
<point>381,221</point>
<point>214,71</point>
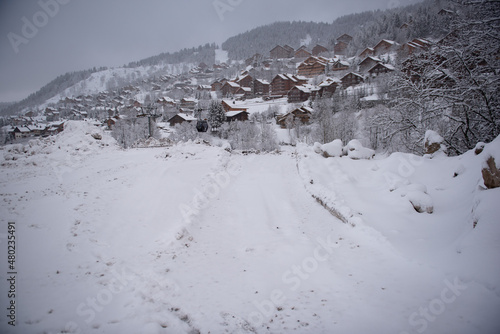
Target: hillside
<point>366,28</point>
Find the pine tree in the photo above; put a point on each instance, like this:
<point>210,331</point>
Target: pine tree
<point>216,116</point>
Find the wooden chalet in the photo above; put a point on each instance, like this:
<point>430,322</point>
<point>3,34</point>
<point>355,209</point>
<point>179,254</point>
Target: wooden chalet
<point>319,49</point>
<point>384,46</point>
<point>366,52</point>
<point>380,68</point>
<point>328,87</point>
<point>188,103</point>
<point>228,107</point>
<point>21,132</point>
<point>217,85</point>
<point>245,81</point>
<point>237,115</point>
<point>255,60</point>
<point>280,52</point>
<point>181,118</point>
<point>290,50</point>
<point>55,128</point>
<point>345,38</point>
<point>340,65</point>
<point>229,88</point>
<point>302,53</point>
<point>314,66</point>
<point>166,101</point>
<point>282,83</point>
<point>368,63</point>
<point>261,87</point>
<point>245,92</point>
<point>303,114</point>
<point>351,79</point>
<point>299,93</point>
<point>423,43</point>
<point>340,48</point>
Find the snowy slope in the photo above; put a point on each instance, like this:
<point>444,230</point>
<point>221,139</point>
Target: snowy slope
<point>99,81</point>
<point>193,238</point>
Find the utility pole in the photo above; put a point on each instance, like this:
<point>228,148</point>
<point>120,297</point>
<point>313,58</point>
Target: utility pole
<point>150,112</point>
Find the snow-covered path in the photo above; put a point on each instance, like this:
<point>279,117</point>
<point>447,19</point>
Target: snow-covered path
<point>266,257</point>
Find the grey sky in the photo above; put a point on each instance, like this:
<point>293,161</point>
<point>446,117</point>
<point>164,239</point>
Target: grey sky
<point>81,34</point>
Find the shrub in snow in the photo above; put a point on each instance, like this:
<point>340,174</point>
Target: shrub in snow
<point>356,151</point>
<point>491,173</point>
<point>97,136</point>
<point>184,132</point>
<point>416,193</point>
<point>421,201</point>
<point>479,148</point>
<point>333,149</point>
<point>433,142</point>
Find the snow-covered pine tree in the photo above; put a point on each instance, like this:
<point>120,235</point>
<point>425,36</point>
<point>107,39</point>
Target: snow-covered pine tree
<point>216,116</point>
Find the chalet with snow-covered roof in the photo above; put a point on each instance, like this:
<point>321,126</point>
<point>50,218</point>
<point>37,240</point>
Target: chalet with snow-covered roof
<point>384,46</point>
<point>188,103</point>
<point>351,79</point>
<point>166,101</point>
<point>366,52</point>
<point>261,87</point>
<point>244,92</point>
<point>423,43</point>
<point>328,87</point>
<point>282,83</point>
<point>303,114</point>
<point>314,66</point>
<point>217,85</point>
<point>229,88</point>
<point>237,115</point>
<point>231,107</point>
<point>380,68</point>
<point>181,118</point>
<point>204,88</point>
<point>368,63</point>
<point>299,93</point>
<point>340,65</point>
<point>319,49</point>
<point>55,128</point>
<point>21,132</point>
<point>245,81</point>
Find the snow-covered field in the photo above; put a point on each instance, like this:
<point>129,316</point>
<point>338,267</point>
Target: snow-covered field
<point>195,239</point>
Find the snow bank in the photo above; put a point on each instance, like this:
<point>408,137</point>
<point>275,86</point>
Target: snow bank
<point>78,137</point>
<point>356,151</point>
<point>333,149</point>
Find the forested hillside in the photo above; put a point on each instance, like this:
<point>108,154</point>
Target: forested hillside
<point>367,28</point>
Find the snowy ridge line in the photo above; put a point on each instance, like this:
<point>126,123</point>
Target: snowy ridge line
<point>324,197</point>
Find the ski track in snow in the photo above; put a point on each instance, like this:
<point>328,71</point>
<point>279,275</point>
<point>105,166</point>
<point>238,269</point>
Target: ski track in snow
<point>104,246</point>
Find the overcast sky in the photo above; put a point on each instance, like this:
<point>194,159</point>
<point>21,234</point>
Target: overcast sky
<point>39,42</point>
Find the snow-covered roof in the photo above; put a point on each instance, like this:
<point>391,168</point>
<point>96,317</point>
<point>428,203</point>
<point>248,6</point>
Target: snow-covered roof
<point>235,112</point>
<point>187,117</point>
<point>329,81</point>
<point>232,84</point>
